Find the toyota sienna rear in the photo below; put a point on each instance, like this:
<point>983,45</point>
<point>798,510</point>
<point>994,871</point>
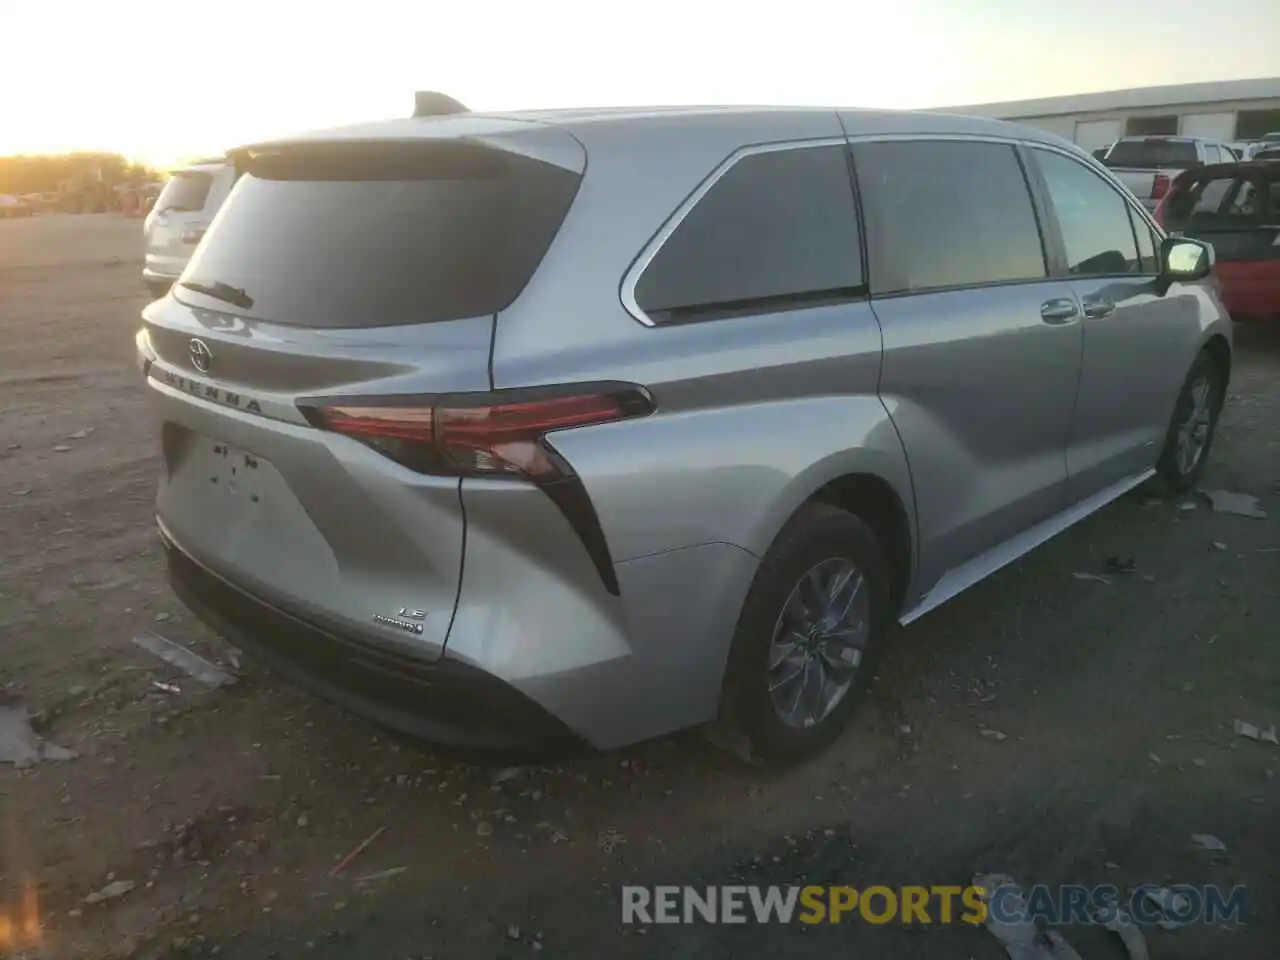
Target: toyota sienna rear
<point>582,427</point>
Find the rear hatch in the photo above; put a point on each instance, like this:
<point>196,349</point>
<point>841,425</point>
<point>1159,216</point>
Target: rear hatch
<point>344,272</point>
<point>181,214</point>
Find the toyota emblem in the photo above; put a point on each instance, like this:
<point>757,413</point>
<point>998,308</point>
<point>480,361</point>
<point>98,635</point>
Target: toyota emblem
<point>201,355</point>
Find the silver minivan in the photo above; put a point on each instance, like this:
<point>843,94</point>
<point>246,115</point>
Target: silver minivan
<point>576,428</point>
<point>178,220</point>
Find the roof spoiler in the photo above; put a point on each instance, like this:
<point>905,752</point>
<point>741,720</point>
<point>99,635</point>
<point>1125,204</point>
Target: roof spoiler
<point>431,103</point>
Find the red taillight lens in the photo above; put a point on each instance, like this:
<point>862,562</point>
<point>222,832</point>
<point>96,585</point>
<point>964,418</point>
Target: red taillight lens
<point>505,437</point>
<point>370,423</point>
<point>1159,186</point>
<point>486,435</point>
<point>192,236</point>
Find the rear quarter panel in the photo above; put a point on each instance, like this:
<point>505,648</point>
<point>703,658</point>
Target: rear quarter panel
<point>754,415</point>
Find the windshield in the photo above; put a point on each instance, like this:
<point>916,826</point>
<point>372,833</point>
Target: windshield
<point>1152,154</point>
<point>186,191</point>
<point>365,237</point>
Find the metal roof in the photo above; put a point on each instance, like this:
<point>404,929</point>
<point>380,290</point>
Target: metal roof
<point>1221,91</point>
<point>756,124</point>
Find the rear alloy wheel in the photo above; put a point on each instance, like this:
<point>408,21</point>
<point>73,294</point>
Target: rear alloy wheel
<point>818,642</point>
<point>815,609</point>
<point>1191,431</point>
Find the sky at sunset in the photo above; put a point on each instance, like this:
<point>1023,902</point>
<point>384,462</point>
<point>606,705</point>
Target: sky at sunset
<point>190,78</point>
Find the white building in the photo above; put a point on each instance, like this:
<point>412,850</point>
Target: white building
<point>1232,110</point>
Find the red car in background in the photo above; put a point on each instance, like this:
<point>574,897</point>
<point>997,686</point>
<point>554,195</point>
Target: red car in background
<point>1236,207</point>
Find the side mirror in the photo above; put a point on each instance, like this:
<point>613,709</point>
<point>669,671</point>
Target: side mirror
<point>1184,259</point>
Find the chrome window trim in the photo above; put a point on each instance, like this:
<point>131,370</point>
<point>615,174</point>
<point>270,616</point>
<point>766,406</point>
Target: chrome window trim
<point>650,250</point>
<point>897,137</point>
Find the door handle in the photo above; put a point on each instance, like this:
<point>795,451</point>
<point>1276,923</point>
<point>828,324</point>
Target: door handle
<point>1059,310</point>
<point>1095,308</point>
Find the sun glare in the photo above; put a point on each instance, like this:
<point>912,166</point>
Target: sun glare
<point>22,929</point>
<point>184,83</point>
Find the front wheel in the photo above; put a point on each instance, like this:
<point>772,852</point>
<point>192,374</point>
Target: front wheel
<point>1191,431</point>
<point>815,610</point>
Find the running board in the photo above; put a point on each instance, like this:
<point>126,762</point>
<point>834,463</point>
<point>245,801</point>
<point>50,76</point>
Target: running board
<point>963,577</point>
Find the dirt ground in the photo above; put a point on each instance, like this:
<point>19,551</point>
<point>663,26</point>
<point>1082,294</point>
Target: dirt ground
<point>228,809</point>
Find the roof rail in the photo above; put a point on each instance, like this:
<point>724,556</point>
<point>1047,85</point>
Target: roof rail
<point>431,103</point>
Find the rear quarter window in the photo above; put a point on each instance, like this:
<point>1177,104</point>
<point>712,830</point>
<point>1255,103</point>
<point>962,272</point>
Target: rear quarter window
<point>776,230</point>
<point>372,235</point>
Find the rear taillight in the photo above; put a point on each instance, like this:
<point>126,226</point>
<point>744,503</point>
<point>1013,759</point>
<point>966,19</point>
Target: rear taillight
<point>1159,186</point>
<point>498,434</point>
<point>192,236</point>
<point>479,435</point>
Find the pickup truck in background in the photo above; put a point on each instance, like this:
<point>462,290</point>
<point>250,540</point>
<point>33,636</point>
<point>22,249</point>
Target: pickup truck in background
<point>1147,165</point>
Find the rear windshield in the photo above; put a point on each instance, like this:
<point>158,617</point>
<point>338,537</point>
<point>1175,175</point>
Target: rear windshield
<point>185,192</point>
<point>1152,154</point>
<point>378,235</point>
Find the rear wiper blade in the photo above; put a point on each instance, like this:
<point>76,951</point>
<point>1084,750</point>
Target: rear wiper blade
<point>220,291</point>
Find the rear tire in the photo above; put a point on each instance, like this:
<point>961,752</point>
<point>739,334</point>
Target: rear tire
<point>785,651</point>
<point>1191,429</point>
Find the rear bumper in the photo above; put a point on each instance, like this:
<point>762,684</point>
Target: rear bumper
<point>444,701</point>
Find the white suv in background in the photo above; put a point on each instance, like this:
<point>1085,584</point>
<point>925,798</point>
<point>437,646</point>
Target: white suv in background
<point>179,219</point>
